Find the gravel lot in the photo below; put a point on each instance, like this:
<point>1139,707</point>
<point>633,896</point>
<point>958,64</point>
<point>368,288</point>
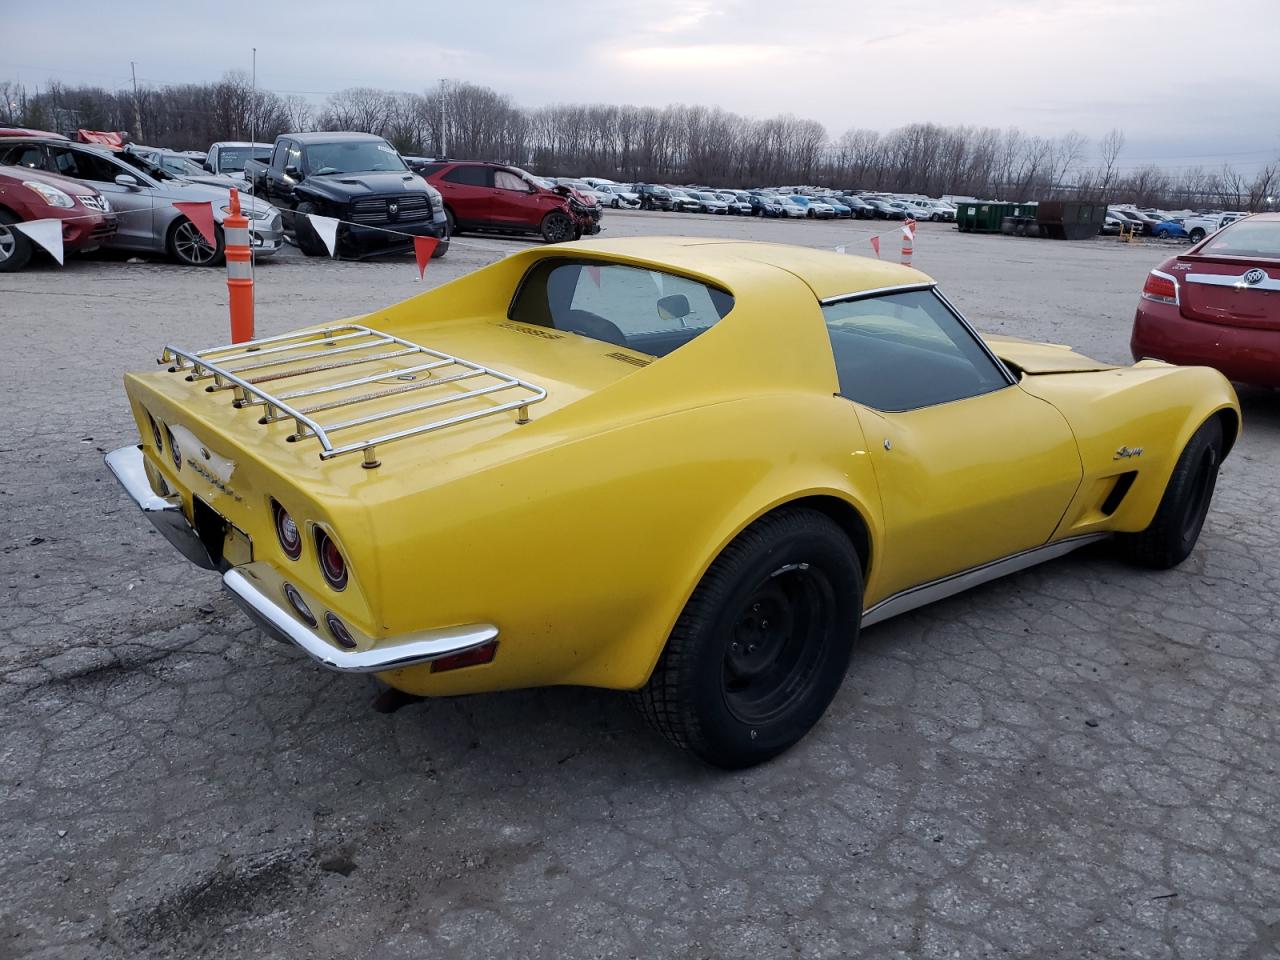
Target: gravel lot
<point>1078,761</point>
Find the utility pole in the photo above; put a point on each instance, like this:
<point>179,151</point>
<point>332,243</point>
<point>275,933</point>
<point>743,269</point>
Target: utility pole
<point>443,150</point>
<point>137,111</point>
<point>253,102</point>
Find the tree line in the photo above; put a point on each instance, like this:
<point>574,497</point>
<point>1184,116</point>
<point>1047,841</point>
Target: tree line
<point>678,143</point>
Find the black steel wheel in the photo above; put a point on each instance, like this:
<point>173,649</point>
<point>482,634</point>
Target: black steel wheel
<point>1176,526</point>
<point>557,227</point>
<point>763,644</point>
<point>188,246</point>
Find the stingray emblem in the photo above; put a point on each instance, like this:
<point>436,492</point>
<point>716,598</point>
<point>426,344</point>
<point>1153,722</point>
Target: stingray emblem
<point>1254,277</point>
<point>1124,453</point>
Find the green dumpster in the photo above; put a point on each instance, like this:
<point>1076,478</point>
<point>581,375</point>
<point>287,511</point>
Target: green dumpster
<point>979,217</point>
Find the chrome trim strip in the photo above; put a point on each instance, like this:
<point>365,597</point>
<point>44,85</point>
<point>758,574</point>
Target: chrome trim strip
<point>982,344</point>
<point>165,513</point>
<point>419,648</point>
<point>1223,280</point>
<point>900,288</point>
<point>926,593</point>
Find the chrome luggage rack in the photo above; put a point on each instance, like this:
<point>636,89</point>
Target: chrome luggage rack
<point>309,358</point>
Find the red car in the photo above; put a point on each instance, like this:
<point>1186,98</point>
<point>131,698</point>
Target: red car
<point>1218,304</point>
<point>494,197</point>
<point>27,194</point>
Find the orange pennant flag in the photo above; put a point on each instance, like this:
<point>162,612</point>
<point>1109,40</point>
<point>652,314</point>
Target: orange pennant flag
<point>423,247</point>
<point>200,213</point>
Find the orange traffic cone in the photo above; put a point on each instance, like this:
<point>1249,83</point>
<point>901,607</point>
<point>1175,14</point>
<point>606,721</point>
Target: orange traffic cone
<point>235,229</point>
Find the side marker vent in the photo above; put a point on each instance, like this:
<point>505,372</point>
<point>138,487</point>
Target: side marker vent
<point>1117,494</point>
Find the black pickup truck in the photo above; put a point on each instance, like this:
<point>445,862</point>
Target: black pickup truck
<point>356,178</point>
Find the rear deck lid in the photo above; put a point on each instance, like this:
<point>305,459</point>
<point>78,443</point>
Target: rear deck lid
<point>1238,293</point>
<point>1233,278</point>
<point>1028,356</point>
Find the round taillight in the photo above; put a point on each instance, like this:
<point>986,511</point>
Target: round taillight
<point>299,605</point>
<point>332,565</point>
<point>174,451</point>
<point>339,631</point>
<point>155,432</point>
<point>287,532</point>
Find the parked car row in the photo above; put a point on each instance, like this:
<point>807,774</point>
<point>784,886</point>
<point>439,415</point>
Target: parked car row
<point>381,201</point>
<point>139,194</point>
<point>1167,225</point>
<point>775,202</point>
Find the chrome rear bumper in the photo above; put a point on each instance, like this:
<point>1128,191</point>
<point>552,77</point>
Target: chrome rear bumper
<point>165,513</point>
<point>250,588</point>
<point>390,654</point>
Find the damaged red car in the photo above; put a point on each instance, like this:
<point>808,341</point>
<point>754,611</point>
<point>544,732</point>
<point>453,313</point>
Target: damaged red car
<point>495,198</point>
<point>26,194</point>
<point>1217,304</point>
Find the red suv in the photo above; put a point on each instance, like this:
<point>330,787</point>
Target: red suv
<point>25,194</point>
<point>490,196</point>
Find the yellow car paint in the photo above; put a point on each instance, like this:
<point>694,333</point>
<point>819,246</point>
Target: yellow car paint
<point>582,533</point>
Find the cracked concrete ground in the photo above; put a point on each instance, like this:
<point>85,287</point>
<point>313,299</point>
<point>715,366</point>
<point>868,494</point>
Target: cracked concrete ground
<point>1078,761</point>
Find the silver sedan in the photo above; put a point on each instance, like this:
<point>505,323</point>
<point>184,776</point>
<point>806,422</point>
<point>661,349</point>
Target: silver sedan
<point>143,198</point>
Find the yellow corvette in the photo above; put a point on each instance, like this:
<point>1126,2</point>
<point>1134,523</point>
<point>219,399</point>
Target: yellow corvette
<point>685,468</point>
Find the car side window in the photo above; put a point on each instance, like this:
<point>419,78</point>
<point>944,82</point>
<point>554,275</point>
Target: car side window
<point>293,156</point>
<point>506,180</point>
<point>82,165</point>
<point>904,351</point>
<point>277,156</point>
<point>470,176</point>
<point>649,311</point>
<point>26,155</point>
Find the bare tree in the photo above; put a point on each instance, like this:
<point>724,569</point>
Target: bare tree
<point>1110,148</point>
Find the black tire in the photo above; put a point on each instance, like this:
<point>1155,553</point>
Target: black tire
<point>557,227</point>
<point>729,689</point>
<point>1179,519</point>
<point>1197,235</point>
<point>15,246</point>
<point>305,235</point>
<point>189,248</point>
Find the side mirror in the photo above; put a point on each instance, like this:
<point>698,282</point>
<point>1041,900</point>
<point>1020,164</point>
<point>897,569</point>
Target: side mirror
<point>127,180</point>
<point>674,307</point>
<point>291,170</point>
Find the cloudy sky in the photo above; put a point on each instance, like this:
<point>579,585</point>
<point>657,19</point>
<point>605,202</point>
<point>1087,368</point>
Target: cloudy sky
<point>1189,82</point>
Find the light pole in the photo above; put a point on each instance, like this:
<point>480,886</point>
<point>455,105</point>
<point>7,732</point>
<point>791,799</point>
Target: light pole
<point>443,150</point>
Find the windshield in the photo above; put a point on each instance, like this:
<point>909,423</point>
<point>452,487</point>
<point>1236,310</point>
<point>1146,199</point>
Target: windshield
<point>146,166</point>
<point>233,158</point>
<point>802,201</point>
<point>181,166</point>
<point>1246,238</point>
<point>352,156</point>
